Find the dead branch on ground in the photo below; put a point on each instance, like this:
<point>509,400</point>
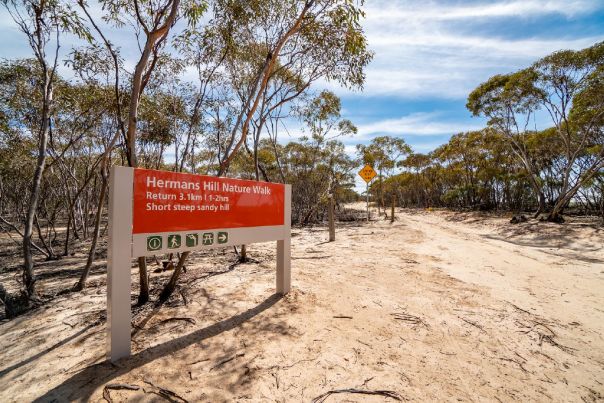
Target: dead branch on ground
<point>165,393</point>
<point>116,386</point>
<point>520,364</point>
<point>387,393</point>
<point>476,325</point>
<point>224,361</point>
<point>411,319</point>
<point>543,336</point>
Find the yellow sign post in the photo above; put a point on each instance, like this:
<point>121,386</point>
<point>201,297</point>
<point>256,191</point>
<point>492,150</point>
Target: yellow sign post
<point>367,173</point>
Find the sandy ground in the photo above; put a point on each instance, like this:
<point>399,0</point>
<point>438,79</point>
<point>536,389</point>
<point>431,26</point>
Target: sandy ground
<point>434,307</point>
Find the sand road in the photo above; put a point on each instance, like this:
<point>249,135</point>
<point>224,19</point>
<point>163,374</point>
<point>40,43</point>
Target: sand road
<point>435,307</point>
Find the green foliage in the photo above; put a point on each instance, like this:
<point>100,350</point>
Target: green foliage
<point>472,170</point>
<point>383,153</point>
<point>568,87</point>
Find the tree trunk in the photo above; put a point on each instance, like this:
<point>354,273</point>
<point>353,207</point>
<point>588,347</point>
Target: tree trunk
<point>541,207</point>
<point>171,285</point>
<point>602,204</point>
<point>95,236</point>
<point>258,88</point>
<point>243,254</point>
<point>556,214</point>
<point>29,279</point>
<point>392,210</point>
<point>143,296</point>
<point>66,246</point>
<point>331,218</point>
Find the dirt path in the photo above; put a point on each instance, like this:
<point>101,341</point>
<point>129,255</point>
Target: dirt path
<point>435,307</point>
<point>546,272</point>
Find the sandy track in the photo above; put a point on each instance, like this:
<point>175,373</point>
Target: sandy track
<point>435,307</point>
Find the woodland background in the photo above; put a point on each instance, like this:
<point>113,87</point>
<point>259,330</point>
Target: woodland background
<point>214,87</point>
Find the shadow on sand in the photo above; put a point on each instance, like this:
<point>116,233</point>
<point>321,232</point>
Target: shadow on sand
<point>81,386</point>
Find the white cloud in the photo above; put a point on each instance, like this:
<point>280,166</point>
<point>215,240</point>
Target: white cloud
<point>441,12</point>
<point>415,124</point>
<point>501,48</point>
<point>422,49</point>
<point>450,66</point>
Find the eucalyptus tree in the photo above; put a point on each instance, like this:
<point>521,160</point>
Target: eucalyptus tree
<point>419,162</point>
<point>42,22</point>
<point>567,86</point>
<point>510,101</point>
<point>152,22</point>
<point>332,173</point>
<point>326,168</point>
<point>19,117</point>
<point>570,85</point>
<point>93,154</point>
<point>383,153</point>
<point>316,164</point>
<point>309,39</point>
<point>263,55</point>
<point>78,137</point>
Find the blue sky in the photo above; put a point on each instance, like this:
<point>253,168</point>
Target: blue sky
<point>430,54</point>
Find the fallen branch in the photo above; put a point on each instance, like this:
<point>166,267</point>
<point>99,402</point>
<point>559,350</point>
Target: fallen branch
<point>165,393</point>
<point>198,361</point>
<point>469,322</point>
<point>116,386</point>
<point>222,362</point>
<point>545,326</point>
<point>518,308</point>
<point>412,319</point>
<point>548,338</point>
<point>387,393</point>
<point>291,365</point>
<point>368,380</point>
<point>342,317</point>
<point>520,364</point>
<point>71,325</point>
<point>184,297</point>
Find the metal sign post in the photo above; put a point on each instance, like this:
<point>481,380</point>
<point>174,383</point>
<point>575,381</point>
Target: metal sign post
<point>155,212</point>
<point>367,173</point>
<point>367,197</point>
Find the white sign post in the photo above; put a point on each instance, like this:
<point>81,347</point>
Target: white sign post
<point>155,212</point>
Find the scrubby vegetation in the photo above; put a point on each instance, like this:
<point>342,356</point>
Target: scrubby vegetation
<point>213,90</point>
<point>511,165</point>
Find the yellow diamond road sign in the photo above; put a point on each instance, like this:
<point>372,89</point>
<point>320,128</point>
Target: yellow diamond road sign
<point>367,173</point>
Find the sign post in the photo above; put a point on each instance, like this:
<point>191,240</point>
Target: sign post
<point>367,173</point>
<point>154,212</point>
<point>367,200</point>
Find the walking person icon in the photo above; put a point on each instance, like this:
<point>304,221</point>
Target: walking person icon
<point>173,241</point>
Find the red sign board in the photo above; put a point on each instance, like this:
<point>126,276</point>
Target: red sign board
<point>170,201</point>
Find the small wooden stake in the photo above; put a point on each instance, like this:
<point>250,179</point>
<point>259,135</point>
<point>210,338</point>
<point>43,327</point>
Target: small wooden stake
<point>331,218</point>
